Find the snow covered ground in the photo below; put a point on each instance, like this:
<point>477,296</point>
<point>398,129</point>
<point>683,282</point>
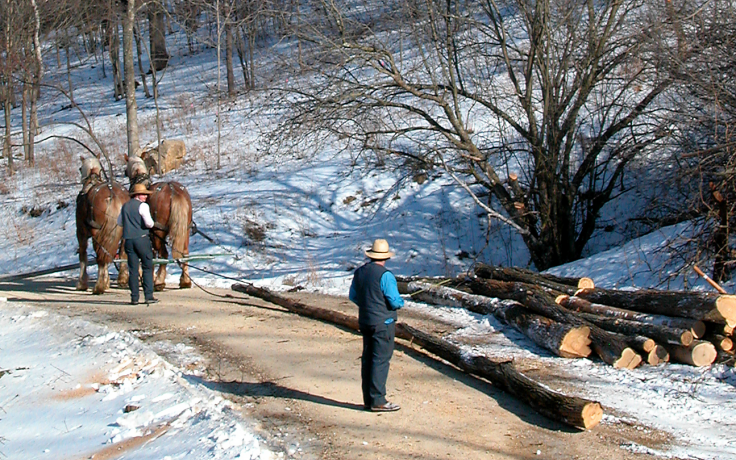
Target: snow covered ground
<point>277,222</point>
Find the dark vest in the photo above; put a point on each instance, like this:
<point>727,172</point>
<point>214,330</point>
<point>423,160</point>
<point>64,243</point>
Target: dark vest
<point>372,305</point>
<point>133,225</point>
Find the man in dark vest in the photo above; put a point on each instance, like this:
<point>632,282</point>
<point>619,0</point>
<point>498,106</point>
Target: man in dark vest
<point>375,292</point>
<point>135,218</point>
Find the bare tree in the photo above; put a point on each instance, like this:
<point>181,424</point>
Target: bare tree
<point>541,106</point>
<point>131,106</point>
<point>706,122</point>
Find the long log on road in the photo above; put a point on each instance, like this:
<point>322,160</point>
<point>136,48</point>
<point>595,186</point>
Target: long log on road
<point>608,347</point>
<point>696,327</point>
<point>703,306</point>
<point>571,410</point>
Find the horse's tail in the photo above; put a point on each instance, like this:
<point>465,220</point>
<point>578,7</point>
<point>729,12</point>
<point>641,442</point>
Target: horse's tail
<point>108,238</point>
<point>179,220</point>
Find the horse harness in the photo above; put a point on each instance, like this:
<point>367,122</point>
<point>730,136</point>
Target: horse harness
<point>90,184</point>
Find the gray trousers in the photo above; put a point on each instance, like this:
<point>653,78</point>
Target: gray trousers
<point>378,347</point>
<point>139,249</point>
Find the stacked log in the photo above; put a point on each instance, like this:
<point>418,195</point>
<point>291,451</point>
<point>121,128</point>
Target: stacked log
<point>607,346</point>
<point>696,327</point>
<point>562,339</point>
<point>657,324</point>
<point>703,306</point>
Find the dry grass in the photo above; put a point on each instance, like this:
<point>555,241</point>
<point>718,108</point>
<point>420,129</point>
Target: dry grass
<point>61,165</point>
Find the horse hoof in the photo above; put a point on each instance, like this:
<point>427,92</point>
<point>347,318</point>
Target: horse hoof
<point>159,287</point>
<point>185,285</point>
<point>98,291</point>
<point>81,287</point>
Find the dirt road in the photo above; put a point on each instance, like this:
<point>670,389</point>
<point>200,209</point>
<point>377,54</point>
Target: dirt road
<point>299,378</point>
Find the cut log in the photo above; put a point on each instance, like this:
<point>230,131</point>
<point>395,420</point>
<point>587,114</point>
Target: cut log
<point>727,329</point>
<point>513,274</point>
<point>699,353</point>
<point>658,355</point>
<point>586,283</point>
<point>571,410</point>
<point>441,295</point>
<point>660,334</point>
<point>703,306</point>
<point>562,339</point>
<point>721,342</point>
<point>609,348</point>
<point>696,327</point>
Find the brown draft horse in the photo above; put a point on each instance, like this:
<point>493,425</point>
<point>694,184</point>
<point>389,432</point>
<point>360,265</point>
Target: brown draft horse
<point>171,209</point>
<point>98,207</point>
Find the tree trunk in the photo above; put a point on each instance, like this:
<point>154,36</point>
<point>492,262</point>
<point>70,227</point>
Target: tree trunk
<point>7,152</point>
<point>704,306</point>
<point>699,353</point>
<point>67,53</point>
<point>609,348</point>
<point>24,117</point>
<point>696,327</point>
<point>229,59</point>
<point>131,107</point>
<point>137,36</point>
<point>660,334</point>
<point>114,40</point>
<point>159,56</point>
<point>571,410</point>
<point>240,47</point>
<point>36,86</point>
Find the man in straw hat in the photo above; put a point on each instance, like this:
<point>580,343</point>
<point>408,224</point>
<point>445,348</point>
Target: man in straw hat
<point>135,218</point>
<point>375,292</point>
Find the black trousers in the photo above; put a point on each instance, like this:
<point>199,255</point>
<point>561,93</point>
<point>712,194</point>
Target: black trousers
<point>378,347</point>
<point>139,249</point>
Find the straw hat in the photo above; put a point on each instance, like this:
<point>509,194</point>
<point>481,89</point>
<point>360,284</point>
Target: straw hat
<point>379,250</point>
<point>139,189</point>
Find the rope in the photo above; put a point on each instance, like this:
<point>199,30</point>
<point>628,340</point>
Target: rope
<point>226,296</point>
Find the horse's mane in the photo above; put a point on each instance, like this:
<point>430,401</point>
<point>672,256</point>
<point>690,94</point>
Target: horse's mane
<point>136,166</point>
<point>89,167</point>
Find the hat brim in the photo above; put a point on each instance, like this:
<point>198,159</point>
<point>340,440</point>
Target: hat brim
<point>144,192</point>
<point>379,255</point>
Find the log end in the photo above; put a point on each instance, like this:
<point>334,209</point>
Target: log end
<point>586,283</point>
<point>649,345</point>
<point>698,329</point>
<point>726,344</point>
<point>629,359</point>
<point>726,306</point>
<point>576,343</point>
<point>562,299</point>
<point>704,354</point>
<point>686,338</point>
<point>658,355</point>
<point>592,415</point>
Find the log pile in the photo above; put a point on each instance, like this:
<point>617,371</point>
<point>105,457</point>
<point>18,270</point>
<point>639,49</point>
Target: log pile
<point>624,328</point>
